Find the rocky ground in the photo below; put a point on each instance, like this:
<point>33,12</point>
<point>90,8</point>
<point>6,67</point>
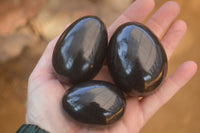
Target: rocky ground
<point>26,26</point>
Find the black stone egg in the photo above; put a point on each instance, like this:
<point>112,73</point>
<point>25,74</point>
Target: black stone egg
<point>136,59</point>
<point>80,51</point>
<point>94,102</point>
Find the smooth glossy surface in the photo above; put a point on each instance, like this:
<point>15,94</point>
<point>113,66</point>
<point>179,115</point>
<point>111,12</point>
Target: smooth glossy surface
<point>136,59</point>
<point>81,49</point>
<point>94,102</point>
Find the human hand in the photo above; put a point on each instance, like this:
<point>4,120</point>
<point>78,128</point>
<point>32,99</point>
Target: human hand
<point>45,92</point>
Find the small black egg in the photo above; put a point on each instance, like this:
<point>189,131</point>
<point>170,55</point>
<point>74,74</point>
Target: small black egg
<point>94,102</point>
<point>80,51</point>
<point>136,59</point>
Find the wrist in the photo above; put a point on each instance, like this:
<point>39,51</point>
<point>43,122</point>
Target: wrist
<point>29,128</point>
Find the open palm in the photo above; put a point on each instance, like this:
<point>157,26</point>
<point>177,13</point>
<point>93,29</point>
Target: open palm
<point>45,92</point>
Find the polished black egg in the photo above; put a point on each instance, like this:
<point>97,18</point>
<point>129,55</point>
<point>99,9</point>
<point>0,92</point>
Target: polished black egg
<point>94,102</point>
<point>136,59</point>
<point>80,51</point>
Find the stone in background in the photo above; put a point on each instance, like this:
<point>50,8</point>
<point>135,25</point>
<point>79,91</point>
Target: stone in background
<point>15,32</point>
<point>26,22</point>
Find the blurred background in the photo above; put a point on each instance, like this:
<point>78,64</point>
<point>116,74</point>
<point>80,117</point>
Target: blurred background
<point>26,26</point>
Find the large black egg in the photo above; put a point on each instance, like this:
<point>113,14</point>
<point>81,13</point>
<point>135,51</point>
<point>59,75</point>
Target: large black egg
<point>136,59</point>
<point>80,51</point>
<point>94,102</point>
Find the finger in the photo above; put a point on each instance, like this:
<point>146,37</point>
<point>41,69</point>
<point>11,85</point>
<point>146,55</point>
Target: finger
<point>138,11</point>
<point>178,79</point>
<point>173,36</point>
<point>160,21</point>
